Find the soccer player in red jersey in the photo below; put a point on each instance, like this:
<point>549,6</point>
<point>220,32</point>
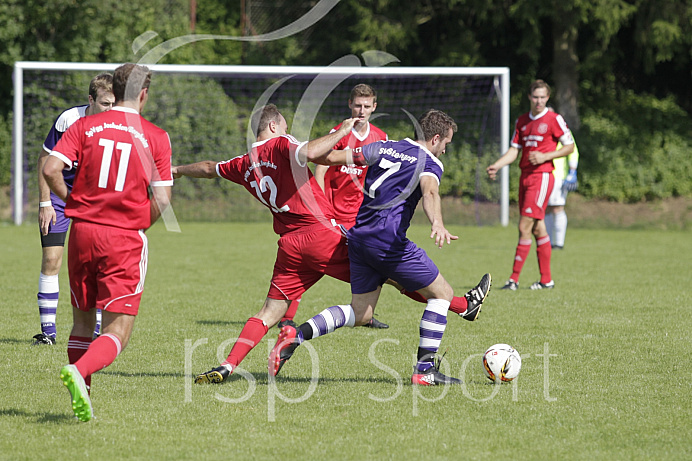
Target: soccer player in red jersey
<point>343,184</point>
<point>536,134</point>
<point>311,244</point>
<point>120,155</point>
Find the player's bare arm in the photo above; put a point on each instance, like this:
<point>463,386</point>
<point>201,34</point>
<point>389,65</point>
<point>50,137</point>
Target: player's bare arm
<point>320,172</point>
<point>432,206</point>
<point>160,200</point>
<point>316,150</point>
<point>342,157</point>
<point>46,212</point>
<point>52,173</point>
<point>537,158</point>
<point>509,157</point>
<point>204,169</point>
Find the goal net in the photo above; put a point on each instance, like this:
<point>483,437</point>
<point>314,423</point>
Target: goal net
<point>206,111</point>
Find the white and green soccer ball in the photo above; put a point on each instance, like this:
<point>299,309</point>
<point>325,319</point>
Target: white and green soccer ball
<point>501,363</point>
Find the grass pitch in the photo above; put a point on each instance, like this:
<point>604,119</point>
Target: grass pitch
<point>606,358</point>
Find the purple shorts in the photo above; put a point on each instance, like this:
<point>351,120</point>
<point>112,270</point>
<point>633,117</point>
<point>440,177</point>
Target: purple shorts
<point>56,233</point>
<point>62,224</point>
<point>371,267</point>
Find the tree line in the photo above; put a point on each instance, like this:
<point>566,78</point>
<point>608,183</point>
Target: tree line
<point>621,71</point>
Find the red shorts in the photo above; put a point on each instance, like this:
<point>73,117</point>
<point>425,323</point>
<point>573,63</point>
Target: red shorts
<point>534,191</point>
<point>107,267</point>
<point>305,257</point>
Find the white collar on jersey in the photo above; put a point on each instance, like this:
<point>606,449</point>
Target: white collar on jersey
<point>545,111</point>
<point>358,136</point>
<point>125,109</point>
<point>259,143</point>
<point>430,154</point>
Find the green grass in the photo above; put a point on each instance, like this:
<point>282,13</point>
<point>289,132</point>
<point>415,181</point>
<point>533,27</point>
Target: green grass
<point>617,383</point>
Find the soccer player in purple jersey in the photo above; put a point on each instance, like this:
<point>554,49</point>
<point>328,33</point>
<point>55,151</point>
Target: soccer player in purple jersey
<point>400,174</point>
<point>51,217</point>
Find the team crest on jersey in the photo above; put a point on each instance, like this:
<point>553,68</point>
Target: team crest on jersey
<point>543,128</point>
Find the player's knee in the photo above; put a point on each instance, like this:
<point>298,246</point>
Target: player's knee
<point>51,260</point>
<point>51,265</point>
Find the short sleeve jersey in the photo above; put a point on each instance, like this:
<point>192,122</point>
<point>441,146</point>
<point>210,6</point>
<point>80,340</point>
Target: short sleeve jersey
<point>540,133</point>
<point>343,184</point>
<point>392,191</point>
<point>274,175</point>
<point>62,123</point>
<point>119,154</point>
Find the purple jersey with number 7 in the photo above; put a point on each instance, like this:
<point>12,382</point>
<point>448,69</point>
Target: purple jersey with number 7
<point>392,191</point>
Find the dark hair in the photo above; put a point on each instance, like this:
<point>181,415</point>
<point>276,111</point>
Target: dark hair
<point>261,118</point>
<point>100,82</point>
<point>434,122</point>
<point>539,84</point>
<point>363,91</point>
<point>128,80</point>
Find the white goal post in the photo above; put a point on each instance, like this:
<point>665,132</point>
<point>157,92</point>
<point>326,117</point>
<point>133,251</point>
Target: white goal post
<point>24,154</point>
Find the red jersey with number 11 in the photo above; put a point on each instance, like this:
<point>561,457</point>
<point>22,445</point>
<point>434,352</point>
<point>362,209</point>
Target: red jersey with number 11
<point>274,175</point>
<point>119,154</point>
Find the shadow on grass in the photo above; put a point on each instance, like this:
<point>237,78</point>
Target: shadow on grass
<point>221,322</point>
<point>15,341</point>
<point>263,379</point>
<point>40,417</point>
<point>142,374</point>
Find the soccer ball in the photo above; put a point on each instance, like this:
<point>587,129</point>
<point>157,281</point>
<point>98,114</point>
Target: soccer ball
<point>501,363</point>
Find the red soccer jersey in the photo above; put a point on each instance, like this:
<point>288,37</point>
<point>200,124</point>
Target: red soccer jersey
<point>119,154</point>
<point>274,175</point>
<point>343,184</point>
<point>540,133</point>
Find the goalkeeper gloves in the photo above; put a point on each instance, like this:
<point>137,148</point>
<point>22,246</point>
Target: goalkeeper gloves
<point>571,181</point>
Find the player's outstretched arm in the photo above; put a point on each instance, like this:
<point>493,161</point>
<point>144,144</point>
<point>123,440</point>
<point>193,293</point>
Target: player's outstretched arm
<point>509,157</point>
<point>317,150</point>
<point>432,206</point>
<point>205,169</point>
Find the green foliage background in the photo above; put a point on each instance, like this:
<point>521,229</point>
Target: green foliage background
<point>632,72</point>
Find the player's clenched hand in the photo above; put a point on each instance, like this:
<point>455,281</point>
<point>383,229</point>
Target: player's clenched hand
<point>46,217</point>
<point>347,125</point>
<point>492,171</point>
<point>442,235</point>
<point>174,171</point>
<point>537,158</point>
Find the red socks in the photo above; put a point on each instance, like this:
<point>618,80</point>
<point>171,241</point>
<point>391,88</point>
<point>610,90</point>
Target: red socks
<point>291,312</point>
<point>544,250</point>
<point>253,332</point>
<point>522,252</point>
<point>414,295</point>
<point>76,348</point>
<point>102,352</point>
<point>458,305</point>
